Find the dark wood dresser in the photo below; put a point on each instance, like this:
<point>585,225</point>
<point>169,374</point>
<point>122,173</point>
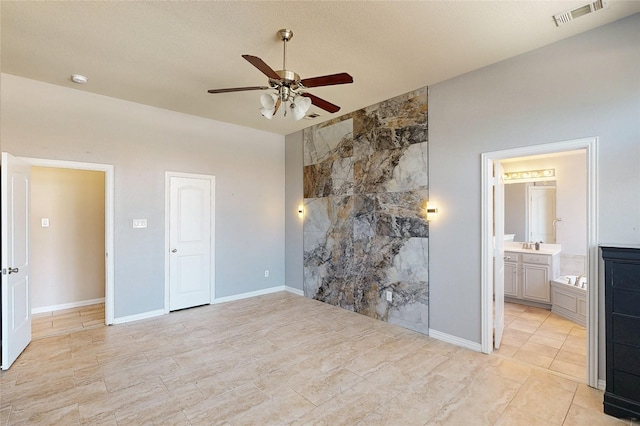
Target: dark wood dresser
<point>622,316</point>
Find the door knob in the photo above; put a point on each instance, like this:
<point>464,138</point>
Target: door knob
<point>174,250</point>
<point>13,270</point>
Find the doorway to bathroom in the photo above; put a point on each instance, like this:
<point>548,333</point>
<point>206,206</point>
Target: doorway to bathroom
<point>526,278</point>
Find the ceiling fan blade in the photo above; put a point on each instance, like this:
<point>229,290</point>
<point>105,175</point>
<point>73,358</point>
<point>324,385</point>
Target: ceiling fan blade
<point>327,80</point>
<point>321,103</point>
<point>262,66</point>
<point>238,89</point>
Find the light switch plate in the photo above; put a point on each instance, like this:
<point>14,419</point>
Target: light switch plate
<point>45,222</point>
<point>139,223</point>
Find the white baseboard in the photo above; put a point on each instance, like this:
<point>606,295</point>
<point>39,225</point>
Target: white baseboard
<point>294,290</point>
<point>477,347</point>
<point>70,305</point>
<point>602,384</point>
<point>257,293</point>
<point>159,312</point>
<point>138,317</point>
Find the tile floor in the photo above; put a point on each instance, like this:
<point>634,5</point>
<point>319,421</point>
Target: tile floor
<point>541,338</point>
<point>280,359</point>
<point>67,320</point>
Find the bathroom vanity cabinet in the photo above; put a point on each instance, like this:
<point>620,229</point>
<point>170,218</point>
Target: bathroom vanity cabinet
<point>527,275</point>
<point>622,318</point>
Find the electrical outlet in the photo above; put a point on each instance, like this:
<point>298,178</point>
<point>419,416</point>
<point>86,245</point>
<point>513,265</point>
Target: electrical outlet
<point>389,296</point>
<point>266,273</point>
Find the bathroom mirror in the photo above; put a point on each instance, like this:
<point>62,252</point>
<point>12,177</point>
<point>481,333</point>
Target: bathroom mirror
<point>530,211</point>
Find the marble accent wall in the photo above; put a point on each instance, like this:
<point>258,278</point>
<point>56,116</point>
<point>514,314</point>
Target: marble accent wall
<point>365,228</point>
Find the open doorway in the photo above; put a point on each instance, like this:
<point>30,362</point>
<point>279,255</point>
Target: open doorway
<point>538,298</point>
<point>67,240</point>
<point>545,219</point>
<point>16,298</point>
<point>95,303</point>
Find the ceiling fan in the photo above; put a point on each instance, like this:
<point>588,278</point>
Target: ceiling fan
<point>289,87</point>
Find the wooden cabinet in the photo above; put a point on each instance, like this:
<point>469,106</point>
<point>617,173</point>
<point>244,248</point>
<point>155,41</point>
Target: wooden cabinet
<point>527,275</point>
<point>622,318</point>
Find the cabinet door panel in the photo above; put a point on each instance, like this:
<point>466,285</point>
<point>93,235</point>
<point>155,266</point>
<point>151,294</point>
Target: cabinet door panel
<point>535,283</point>
<point>511,279</point>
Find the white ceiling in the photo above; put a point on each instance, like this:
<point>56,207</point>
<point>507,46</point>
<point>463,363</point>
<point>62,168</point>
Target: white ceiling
<point>167,54</point>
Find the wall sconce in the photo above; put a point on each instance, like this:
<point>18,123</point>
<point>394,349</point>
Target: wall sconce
<point>432,212</point>
<point>300,211</point>
<point>530,174</point>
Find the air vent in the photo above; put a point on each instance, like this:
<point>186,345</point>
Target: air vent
<point>570,15</point>
<point>311,116</point>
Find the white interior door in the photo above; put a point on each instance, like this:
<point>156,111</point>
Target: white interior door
<point>16,301</point>
<point>498,250</point>
<point>190,242</point>
<point>542,213</point>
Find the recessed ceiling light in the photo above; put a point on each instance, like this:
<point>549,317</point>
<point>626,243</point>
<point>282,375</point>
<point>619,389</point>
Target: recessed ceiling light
<point>79,78</point>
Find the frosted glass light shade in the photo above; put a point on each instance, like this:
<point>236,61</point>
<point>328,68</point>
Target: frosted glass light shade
<point>268,100</point>
<point>300,106</point>
<point>267,113</point>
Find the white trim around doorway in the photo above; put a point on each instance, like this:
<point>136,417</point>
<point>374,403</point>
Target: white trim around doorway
<point>109,185</point>
<point>487,160</point>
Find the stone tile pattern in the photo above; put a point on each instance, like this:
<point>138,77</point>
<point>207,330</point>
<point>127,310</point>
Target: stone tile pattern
<point>280,359</point>
<point>365,228</point>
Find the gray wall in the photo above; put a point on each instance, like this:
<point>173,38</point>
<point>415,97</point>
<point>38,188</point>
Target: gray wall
<point>587,85</point>
<point>48,121</point>
<point>293,199</point>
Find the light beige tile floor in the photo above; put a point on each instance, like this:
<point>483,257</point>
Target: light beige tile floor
<point>280,359</point>
<point>67,321</point>
<point>541,338</point>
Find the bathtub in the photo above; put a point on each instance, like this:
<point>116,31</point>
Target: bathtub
<point>569,298</point>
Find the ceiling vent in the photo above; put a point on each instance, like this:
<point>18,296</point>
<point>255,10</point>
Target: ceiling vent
<point>570,15</point>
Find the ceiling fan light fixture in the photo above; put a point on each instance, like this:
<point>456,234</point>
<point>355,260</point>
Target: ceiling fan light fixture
<point>299,107</point>
<point>268,100</point>
<point>286,84</point>
<point>267,113</point>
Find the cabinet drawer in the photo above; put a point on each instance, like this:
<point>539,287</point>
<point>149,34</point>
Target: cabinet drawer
<point>625,385</point>
<point>625,330</point>
<point>510,256</point>
<point>625,276</point>
<point>538,259</point>
<point>626,302</point>
<point>627,359</point>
